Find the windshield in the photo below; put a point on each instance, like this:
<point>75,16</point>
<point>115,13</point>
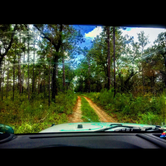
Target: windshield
<point>54,74</point>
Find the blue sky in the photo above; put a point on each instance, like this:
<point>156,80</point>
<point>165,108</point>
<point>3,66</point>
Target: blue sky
<point>152,33</point>
<point>85,29</point>
<point>128,29</point>
<point>90,32</point>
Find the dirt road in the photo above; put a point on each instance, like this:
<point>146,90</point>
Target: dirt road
<point>103,117</point>
<point>77,114</point>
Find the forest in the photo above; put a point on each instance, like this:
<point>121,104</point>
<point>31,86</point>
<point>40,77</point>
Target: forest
<point>41,75</point>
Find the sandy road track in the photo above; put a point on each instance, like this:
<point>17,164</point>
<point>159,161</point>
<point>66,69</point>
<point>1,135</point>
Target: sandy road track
<point>103,117</point>
<point>77,113</point>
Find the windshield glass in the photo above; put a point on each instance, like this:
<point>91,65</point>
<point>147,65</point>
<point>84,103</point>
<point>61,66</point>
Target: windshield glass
<point>58,74</point>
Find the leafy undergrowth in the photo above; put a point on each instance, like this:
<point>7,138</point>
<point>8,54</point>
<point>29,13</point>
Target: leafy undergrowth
<point>88,114</point>
<point>129,109</point>
<point>33,116</point>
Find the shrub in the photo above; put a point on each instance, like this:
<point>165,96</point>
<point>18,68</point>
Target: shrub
<point>125,105</point>
<point>26,116</point>
<point>150,118</point>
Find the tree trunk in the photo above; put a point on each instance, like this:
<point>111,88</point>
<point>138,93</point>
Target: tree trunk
<point>20,70</point>
<point>114,60</point>
<point>28,70</point>
<point>122,84</point>
<point>7,87</point>
<point>56,77</point>
<point>2,87</point>
<point>63,74</point>
<point>2,82</point>
<point>152,83</point>
<point>49,81</point>
<point>108,56</point>
<point>55,59</point>
<point>39,81</point>
<point>23,72</point>
<point>13,76</point>
<point>38,86</point>
<point>18,85</point>
<point>165,70</point>
<point>89,83</point>
<point>19,75</point>
<point>55,69</point>
<point>143,81</point>
<point>33,80</point>
<point>54,80</point>
<point>41,87</point>
<point>0,75</point>
<point>44,87</point>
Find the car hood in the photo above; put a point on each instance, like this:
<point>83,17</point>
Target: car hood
<point>87,126</point>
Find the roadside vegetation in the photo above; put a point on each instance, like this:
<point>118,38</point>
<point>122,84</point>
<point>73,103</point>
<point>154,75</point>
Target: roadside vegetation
<point>88,114</point>
<point>33,116</point>
<point>129,109</point>
<point>44,67</point>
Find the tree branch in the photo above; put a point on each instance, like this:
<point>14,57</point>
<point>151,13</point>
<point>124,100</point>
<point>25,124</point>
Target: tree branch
<point>10,44</point>
<point>131,75</point>
<point>46,37</point>
<point>60,39</point>
<point>11,41</point>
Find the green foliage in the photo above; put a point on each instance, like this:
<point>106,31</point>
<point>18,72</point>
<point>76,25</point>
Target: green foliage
<point>141,109</point>
<point>33,116</point>
<point>88,112</point>
<point>150,118</point>
<point>91,74</point>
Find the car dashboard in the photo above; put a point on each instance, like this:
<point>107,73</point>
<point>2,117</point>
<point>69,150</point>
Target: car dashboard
<point>85,140</point>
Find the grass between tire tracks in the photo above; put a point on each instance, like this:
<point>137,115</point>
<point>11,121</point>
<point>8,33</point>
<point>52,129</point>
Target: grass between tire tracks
<point>88,114</point>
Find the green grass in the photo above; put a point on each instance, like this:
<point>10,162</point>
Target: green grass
<point>129,109</point>
<point>88,113</point>
<point>33,116</point>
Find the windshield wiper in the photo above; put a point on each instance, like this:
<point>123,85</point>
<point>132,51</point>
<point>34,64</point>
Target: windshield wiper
<point>130,128</point>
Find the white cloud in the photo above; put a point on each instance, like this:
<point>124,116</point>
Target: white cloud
<point>94,33</point>
<point>151,32</point>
